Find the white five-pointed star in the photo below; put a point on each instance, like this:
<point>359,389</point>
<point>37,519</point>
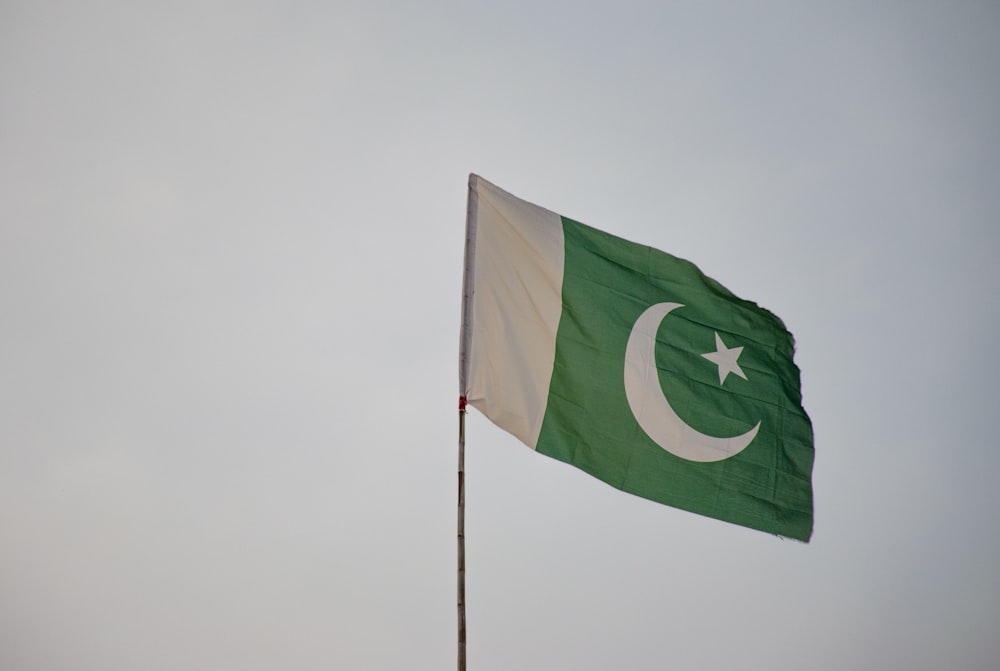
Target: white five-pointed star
<point>725,358</point>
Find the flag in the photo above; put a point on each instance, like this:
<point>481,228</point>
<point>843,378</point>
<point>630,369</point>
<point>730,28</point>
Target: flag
<point>633,366</point>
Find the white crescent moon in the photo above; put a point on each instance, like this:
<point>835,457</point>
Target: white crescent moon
<point>652,409</point>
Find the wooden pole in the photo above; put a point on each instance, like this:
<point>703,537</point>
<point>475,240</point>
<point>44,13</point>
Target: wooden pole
<point>461,534</point>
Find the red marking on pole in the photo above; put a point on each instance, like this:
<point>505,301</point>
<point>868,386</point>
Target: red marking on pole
<point>461,403</point>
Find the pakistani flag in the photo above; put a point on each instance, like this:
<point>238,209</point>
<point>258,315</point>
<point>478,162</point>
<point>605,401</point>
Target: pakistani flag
<point>633,366</point>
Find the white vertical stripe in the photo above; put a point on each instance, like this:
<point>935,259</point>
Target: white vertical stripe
<point>516,302</point>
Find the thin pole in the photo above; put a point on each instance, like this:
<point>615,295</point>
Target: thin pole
<point>464,347</point>
<point>461,534</point>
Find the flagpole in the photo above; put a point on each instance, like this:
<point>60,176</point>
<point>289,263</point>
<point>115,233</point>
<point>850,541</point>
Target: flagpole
<point>464,346</point>
<point>461,534</point>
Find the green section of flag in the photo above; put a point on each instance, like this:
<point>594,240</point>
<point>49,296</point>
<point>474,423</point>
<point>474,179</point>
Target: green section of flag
<point>608,283</point>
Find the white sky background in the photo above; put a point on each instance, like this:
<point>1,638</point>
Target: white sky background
<point>230,268</point>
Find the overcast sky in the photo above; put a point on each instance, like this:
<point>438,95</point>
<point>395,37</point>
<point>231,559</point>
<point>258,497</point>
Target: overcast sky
<point>231,242</point>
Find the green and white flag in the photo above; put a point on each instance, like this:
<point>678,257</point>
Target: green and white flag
<point>633,366</point>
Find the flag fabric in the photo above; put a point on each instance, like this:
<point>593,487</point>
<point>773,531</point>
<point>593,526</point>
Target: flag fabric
<point>633,366</point>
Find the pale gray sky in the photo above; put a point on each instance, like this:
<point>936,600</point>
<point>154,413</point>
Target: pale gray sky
<point>230,268</point>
